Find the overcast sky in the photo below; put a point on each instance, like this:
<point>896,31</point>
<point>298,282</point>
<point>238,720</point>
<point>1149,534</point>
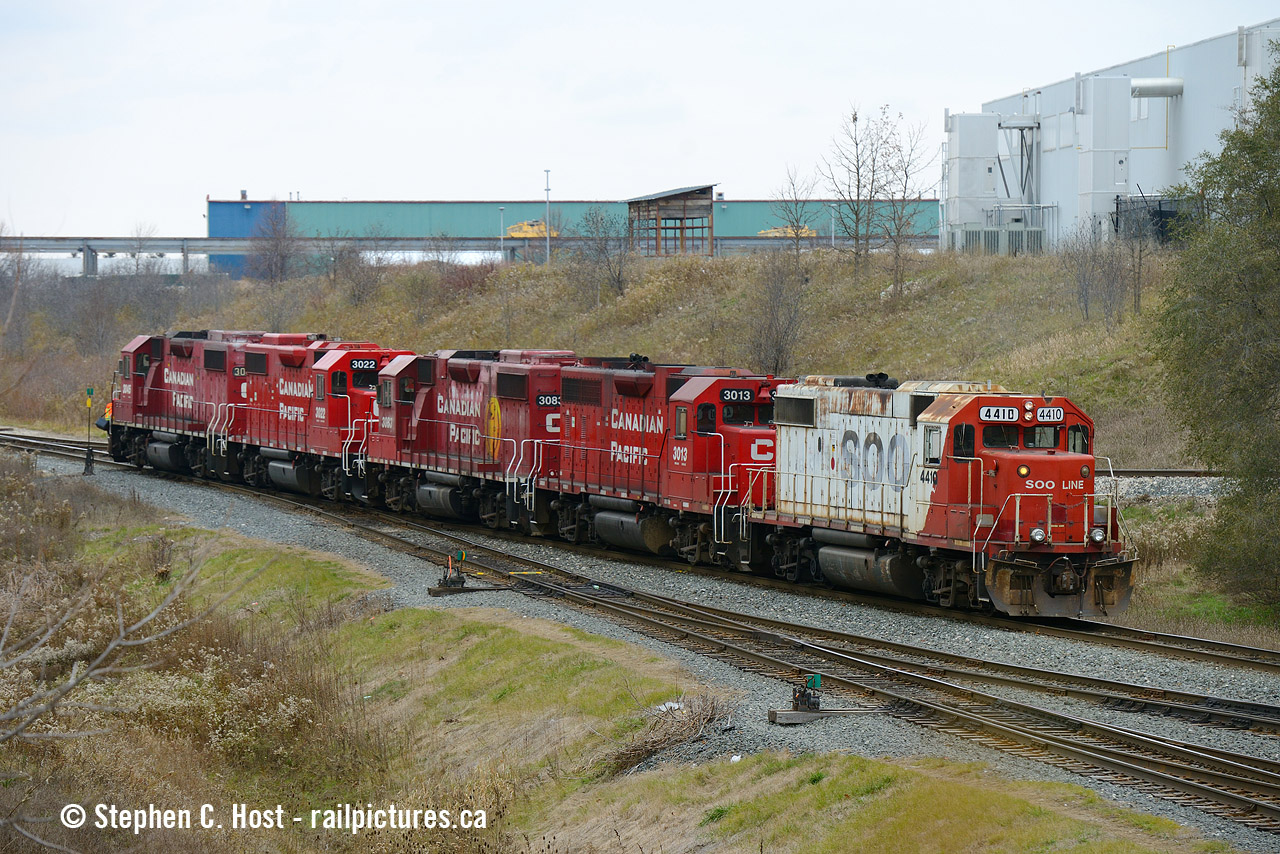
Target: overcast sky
<point>115,113</point>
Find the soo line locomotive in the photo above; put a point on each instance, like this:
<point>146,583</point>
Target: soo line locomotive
<point>960,493</point>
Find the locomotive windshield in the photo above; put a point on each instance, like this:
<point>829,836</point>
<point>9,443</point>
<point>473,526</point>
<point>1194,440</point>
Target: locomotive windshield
<point>1000,436</point>
<point>747,414</point>
<point>364,379</point>
<point>1040,437</point>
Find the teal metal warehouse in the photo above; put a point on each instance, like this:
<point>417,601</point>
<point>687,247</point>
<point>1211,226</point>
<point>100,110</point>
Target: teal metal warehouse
<point>735,224</point>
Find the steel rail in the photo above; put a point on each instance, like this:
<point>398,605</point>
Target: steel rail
<point>1198,649</point>
<point>1235,796</point>
<point>1237,792</point>
<point>1127,696</point>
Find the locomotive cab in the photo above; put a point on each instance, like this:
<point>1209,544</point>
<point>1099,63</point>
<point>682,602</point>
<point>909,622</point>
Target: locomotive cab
<point>344,408</point>
<point>1020,479</point>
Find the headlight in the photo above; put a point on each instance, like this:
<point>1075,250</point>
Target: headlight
<point>1084,471</point>
<point>1097,535</point>
<point>1023,471</point>
<point>1037,535</point>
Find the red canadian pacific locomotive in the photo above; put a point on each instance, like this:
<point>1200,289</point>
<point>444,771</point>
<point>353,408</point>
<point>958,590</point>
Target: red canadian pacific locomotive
<point>957,493</point>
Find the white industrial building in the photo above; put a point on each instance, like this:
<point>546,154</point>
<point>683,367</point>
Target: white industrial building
<point>1032,167</point>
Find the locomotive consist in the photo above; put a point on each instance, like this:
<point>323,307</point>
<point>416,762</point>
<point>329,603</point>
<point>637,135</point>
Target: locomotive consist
<point>958,493</point>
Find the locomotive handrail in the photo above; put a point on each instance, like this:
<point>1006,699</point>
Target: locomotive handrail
<point>1017,497</point>
<point>535,468</point>
<point>745,507</point>
<point>847,484</point>
<point>721,493</point>
<point>644,455</point>
<point>752,481</point>
<point>512,476</point>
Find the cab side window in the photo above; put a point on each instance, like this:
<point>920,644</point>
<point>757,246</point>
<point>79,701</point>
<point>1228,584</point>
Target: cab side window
<point>1078,439</point>
<point>140,363</point>
<point>932,446</point>
<point>338,383</point>
<point>406,389</point>
<point>384,393</point>
<point>707,418</point>
<point>962,440</point>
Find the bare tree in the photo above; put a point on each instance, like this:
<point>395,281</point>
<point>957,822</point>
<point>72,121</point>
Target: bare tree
<point>360,269</point>
<point>605,249</point>
<point>906,160</point>
<point>792,203</point>
<point>276,250</point>
<point>138,238</point>
<point>59,638</point>
<point>777,322</point>
<point>1095,267</point>
<point>855,173</point>
<point>11,264</point>
<point>1136,233</point>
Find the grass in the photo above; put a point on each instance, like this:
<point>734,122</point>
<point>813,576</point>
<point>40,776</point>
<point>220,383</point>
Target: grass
<point>837,803</point>
<point>1170,596</point>
<point>305,691</point>
<point>1011,320</point>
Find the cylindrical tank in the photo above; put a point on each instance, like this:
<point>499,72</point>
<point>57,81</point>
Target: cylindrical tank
<point>438,499</point>
<point>608,502</point>
<point>646,534</point>
<point>881,572</point>
<point>275,453</point>
<point>165,436</point>
<point>166,456</point>
<point>284,475</point>
<point>442,477</point>
<point>846,538</point>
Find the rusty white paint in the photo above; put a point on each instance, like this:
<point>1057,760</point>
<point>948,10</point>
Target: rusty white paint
<point>859,464</point>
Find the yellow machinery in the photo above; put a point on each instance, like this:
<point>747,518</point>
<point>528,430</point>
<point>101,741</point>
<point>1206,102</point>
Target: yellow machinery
<point>787,231</point>
<point>530,228</point>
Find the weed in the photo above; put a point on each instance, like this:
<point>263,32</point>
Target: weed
<point>713,815</point>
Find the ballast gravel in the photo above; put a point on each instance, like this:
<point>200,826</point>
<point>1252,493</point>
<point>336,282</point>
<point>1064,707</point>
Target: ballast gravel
<point>747,729</point>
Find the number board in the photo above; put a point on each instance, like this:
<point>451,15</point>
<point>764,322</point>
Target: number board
<point>364,364</point>
<point>237,371</point>
<point>998,413</point>
<point>548,400</point>
<point>1049,414</point>
<point>736,395</point>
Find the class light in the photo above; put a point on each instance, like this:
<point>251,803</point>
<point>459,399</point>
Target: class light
<point>1097,535</point>
<point>1037,535</point>
<point>1024,470</point>
<point>1084,471</point>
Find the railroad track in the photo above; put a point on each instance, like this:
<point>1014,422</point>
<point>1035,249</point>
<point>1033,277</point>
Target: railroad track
<point>1243,788</point>
<point>58,446</point>
<point>1088,631</point>
<point>1197,649</point>
<point>931,692</point>
<point>1165,473</point>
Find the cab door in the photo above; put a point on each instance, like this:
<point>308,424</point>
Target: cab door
<point>680,458</point>
<point>965,494</point>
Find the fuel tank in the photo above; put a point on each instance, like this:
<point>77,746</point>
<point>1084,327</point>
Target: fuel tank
<point>879,572</point>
